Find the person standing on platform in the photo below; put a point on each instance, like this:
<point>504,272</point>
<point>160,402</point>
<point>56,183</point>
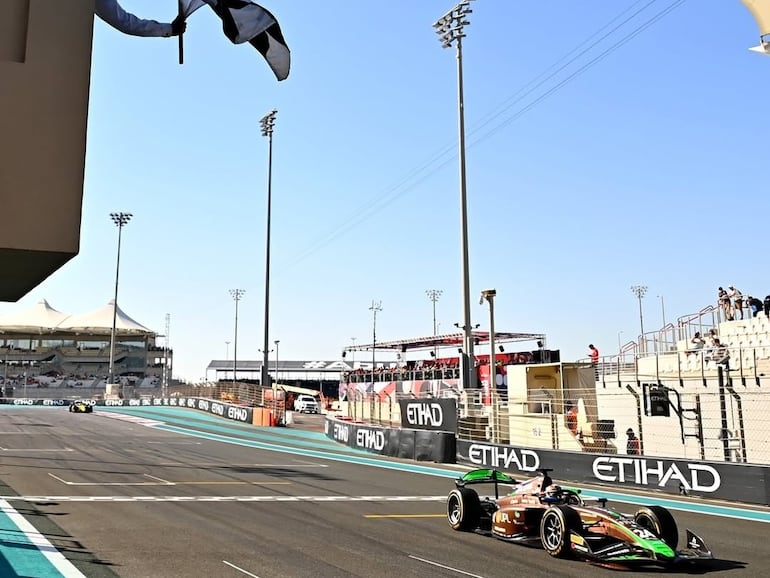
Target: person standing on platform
<point>593,353</point>
<point>633,445</point>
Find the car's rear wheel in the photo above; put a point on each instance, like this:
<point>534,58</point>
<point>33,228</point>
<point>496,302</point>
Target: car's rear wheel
<point>660,522</point>
<point>463,509</point>
<point>555,528</point>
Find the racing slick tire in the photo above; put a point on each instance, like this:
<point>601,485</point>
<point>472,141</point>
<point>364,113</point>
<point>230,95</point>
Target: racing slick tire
<point>660,522</point>
<point>463,509</point>
<point>555,528</point>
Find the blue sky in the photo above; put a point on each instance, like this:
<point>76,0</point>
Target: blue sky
<point>648,167</point>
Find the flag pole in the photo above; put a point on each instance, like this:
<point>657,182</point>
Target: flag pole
<point>181,36</point>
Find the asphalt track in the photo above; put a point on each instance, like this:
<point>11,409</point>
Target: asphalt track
<point>179,493</point>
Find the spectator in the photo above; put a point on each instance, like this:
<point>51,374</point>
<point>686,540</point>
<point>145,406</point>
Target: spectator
<point>633,445</point>
<point>571,417</point>
<point>711,339</point>
<point>737,298</point>
<point>720,356</point>
<point>594,354</point>
<point>767,306</point>
<point>755,305</point>
<point>697,343</point>
<point>724,303</point>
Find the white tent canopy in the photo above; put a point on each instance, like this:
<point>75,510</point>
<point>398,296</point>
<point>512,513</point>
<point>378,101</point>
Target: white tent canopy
<point>40,318</point>
<point>100,321</point>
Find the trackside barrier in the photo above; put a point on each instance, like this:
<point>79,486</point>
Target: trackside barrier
<point>225,410</point>
<point>727,481</point>
<point>419,445</point>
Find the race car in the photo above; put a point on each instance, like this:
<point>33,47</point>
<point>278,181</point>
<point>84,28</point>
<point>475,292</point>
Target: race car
<point>81,406</point>
<point>538,512</point>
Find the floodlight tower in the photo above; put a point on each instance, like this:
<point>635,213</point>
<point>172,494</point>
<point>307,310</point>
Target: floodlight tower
<point>268,123</point>
<point>450,29</point>
<point>236,294</point>
<point>640,291</point>
<point>121,220</point>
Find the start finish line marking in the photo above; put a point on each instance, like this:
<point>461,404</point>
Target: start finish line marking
<point>262,499</point>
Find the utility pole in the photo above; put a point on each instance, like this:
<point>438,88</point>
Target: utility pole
<point>237,295</point>
<point>375,308</point>
<point>166,377</point>
<point>640,291</point>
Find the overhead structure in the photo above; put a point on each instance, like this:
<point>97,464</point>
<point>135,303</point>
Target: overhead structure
<point>760,9</point>
<point>45,69</point>
<point>454,340</point>
<point>42,319</point>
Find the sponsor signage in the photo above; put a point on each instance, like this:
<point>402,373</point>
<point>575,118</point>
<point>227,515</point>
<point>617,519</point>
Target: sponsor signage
<point>503,457</point>
<point>722,480</point>
<point>225,410</point>
<point>36,402</point>
<point>420,445</point>
<point>370,439</point>
<point>434,414</point>
<point>651,473</point>
<point>656,401</point>
<point>341,432</point>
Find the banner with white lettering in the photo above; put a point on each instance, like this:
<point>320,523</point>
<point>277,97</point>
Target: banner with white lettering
<point>434,414</point>
<point>740,482</point>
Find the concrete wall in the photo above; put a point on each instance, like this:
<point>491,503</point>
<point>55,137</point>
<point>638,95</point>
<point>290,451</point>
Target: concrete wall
<point>45,66</point>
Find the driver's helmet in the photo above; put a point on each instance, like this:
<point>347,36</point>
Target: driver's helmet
<point>552,491</point>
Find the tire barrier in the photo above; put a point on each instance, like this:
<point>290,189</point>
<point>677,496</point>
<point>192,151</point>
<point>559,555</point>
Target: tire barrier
<point>411,444</point>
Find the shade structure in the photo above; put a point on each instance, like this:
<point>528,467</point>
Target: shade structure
<point>100,322</point>
<point>40,318</point>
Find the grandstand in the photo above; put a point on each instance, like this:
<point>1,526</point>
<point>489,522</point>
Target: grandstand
<point>718,409</point>
<point>680,402</point>
<point>44,348</point>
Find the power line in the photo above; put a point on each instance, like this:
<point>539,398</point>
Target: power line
<point>428,168</point>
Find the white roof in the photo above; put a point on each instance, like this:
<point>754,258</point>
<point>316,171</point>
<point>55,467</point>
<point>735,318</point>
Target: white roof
<point>100,321</point>
<point>39,318</point>
<point>42,318</point>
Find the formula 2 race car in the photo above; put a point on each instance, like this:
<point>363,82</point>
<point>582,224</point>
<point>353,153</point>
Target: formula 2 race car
<point>538,512</point>
<point>81,406</point>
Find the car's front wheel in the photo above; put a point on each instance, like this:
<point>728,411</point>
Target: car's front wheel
<point>660,522</point>
<point>555,528</point>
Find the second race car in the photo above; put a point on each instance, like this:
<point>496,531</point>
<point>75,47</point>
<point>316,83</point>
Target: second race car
<point>81,406</point>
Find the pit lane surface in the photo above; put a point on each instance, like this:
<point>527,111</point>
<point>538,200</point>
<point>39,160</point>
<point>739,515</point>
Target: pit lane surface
<point>119,498</point>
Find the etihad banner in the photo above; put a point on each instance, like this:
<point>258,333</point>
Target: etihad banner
<point>225,410</point>
<point>724,480</point>
<point>434,414</point>
<point>411,444</point>
<point>37,402</point>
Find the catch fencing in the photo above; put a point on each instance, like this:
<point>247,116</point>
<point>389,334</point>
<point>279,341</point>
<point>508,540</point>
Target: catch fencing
<point>699,420</point>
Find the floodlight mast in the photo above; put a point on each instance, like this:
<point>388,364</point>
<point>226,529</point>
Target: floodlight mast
<point>121,220</point>
<point>267,123</point>
<point>450,29</point>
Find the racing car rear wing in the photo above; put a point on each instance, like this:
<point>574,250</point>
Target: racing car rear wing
<point>485,476</point>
